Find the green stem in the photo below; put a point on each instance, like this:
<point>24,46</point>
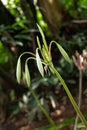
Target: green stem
<point>30,53</point>
<point>42,109</point>
<point>70,96</point>
<point>80,88</point>
<point>80,97</point>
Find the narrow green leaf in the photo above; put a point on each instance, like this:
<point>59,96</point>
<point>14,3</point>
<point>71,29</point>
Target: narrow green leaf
<point>65,55</point>
<point>39,63</point>
<point>18,70</point>
<point>27,75</point>
<point>62,51</point>
<point>38,42</point>
<point>43,37</point>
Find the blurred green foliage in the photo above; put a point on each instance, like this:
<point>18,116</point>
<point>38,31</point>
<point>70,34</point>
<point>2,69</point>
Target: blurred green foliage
<point>77,9</point>
<point>6,58</point>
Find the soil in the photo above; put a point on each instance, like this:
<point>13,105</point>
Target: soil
<point>63,112</point>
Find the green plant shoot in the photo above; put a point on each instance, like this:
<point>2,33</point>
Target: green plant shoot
<point>18,70</point>
<point>46,60</point>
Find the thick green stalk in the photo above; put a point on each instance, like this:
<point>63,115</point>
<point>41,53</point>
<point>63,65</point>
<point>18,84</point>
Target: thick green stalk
<point>70,96</point>
<point>42,109</point>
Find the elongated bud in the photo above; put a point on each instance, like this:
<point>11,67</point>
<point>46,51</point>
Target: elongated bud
<point>27,75</point>
<point>18,70</point>
<point>39,63</point>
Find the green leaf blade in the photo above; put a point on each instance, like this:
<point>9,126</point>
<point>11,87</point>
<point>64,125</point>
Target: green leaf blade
<point>63,52</point>
<point>39,63</point>
<point>65,55</point>
<point>43,37</point>
<point>38,42</point>
<point>18,70</point>
<point>27,75</point>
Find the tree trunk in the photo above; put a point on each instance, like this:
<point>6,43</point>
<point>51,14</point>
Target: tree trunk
<point>5,17</point>
<point>54,14</point>
<point>28,8</point>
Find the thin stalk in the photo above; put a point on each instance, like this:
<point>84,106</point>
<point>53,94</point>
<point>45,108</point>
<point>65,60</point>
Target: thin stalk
<point>42,109</point>
<point>79,98</point>
<point>30,53</point>
<point>80,88</point>
<point>38,102</point>
<point>70,96</point>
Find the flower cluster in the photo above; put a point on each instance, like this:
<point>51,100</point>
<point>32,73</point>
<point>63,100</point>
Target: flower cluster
<point>80,60</point>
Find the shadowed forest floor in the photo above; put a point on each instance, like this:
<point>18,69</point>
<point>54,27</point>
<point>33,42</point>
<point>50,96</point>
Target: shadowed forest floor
<point>63,112</point>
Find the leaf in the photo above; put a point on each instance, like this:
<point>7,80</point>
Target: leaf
<point>43,37</point>
<point>18,43</point>
<point>18,70</point>
<point>65,55</point>
<point>38,42</point>
<point>25,99</point>
<point>39,63</point>
<point>22,36</point>
<point>62,51</point>
<point>27,75</point>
